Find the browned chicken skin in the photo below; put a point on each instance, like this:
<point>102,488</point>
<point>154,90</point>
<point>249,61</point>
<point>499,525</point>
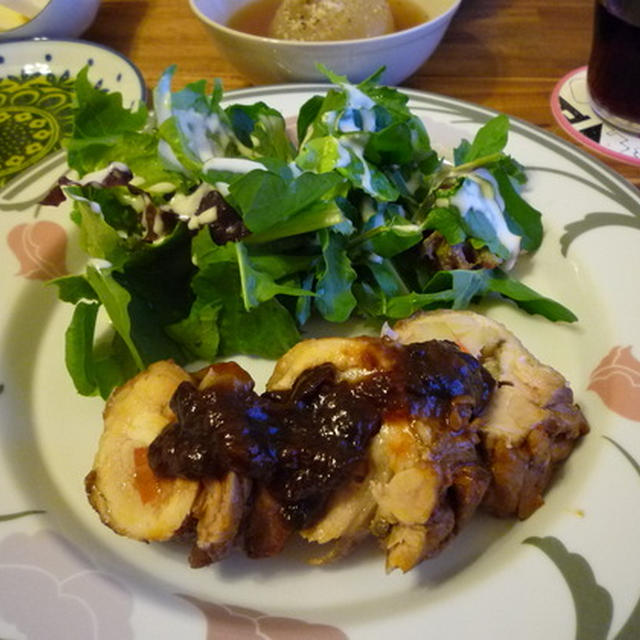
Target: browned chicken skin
<point>531,423</point>
<point>416,438</point>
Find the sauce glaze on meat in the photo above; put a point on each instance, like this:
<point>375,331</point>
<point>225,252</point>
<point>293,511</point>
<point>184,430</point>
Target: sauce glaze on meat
<point>302,443</point>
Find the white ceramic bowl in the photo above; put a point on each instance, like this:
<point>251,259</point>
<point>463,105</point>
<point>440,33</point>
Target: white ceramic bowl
<point>52,18</point>
<point>268,60</point>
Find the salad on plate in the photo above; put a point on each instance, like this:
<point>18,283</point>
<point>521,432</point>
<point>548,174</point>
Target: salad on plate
<point>219,230</point>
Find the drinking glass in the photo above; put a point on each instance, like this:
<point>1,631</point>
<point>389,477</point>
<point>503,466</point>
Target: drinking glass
<point>613,74</point>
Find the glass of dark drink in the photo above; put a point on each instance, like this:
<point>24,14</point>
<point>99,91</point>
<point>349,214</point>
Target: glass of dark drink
<point>613,74</point>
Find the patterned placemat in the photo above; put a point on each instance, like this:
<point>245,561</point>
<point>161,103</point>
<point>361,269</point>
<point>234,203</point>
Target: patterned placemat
<point>571,108</point>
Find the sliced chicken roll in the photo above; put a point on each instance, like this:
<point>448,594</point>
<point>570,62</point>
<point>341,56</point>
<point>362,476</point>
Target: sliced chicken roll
<point>121,486</point>
<point>420,478</point>
<point>531,423</point>
<point>140,503</point>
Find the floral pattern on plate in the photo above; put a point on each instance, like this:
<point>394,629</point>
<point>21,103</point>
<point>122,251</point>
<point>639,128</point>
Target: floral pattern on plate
<point>224,621</point>
<point>617,381</point>
<point>50,589</point>
<point>40,248</point>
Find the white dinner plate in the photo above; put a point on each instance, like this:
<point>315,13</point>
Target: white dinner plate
<point>572,570</point>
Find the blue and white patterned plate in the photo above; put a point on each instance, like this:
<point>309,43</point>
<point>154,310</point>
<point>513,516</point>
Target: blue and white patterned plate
<point>36,90</point>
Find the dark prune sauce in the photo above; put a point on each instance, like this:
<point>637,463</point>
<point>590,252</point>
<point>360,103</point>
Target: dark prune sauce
<point>302,443</point>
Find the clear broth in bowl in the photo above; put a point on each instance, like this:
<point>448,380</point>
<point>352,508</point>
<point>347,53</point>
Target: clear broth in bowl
<point>255,17</point>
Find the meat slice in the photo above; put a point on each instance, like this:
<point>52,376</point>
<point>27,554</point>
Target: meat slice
<point>531,423</point>
<point>219,510</point>
<point>121,486</point>
<point>135,501</point>
<point>413,488</point>
<point>221,505</point>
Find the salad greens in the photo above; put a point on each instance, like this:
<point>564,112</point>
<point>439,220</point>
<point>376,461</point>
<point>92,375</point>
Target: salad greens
<point>210,233</point>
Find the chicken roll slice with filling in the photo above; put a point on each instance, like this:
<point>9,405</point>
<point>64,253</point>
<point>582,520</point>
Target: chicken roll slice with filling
<point>531,423</point>
<point>411,486</point>
<point>121,487</point>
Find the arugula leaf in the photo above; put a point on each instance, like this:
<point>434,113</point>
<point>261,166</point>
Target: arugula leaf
<point>198,332</point>
<point>79,347</point>
<point>266,330</point>
<point>266,199</point>
<point>116,303</point>
<point>95,368</point>
<point>528,299</point>
<point>522,218</point>
<point>307,115</point>
<point>106,131</point>
<point>258,286</point>
<point>74,289</point>
<point>447,221</point>
<point>462,285</point>
<point>112,364</point>
<point>390,235</point>
<point>387,277</point>
<point>97,238</point>
<point>335,300</point>
<point>480,228</point>
<point>262,130</point>
<point>489,140</point>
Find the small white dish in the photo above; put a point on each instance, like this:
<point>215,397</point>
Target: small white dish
<point>51,18</point>
<point>268,60</point>
<point>36,94</point>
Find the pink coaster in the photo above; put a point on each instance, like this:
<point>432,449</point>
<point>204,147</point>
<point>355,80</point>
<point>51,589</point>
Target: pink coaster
<point>571,108</point>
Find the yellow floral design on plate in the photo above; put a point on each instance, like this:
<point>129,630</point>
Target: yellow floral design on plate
<point>35,114</point>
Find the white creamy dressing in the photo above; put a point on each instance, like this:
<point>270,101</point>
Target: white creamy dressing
<point>162,98</point>
<point>223,188</point>
<point>101,174</point>
<point>199,128</point>
<point>157,189</point>
<point>99,264</point>
<point>94,206</point>
<point>186,205</point>
<point>479,191</point>
<point>296,171</point>
<point>347,122</point>
<point>169,158</point>
<point>136,202</point>
<point>349,146</point>
<point>357,101</point>
<point>232,165</point>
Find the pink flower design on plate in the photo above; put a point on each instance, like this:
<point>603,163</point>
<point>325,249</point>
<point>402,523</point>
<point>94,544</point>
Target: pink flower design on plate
<point>50,589</point>
<point>238,623</point>
<point>40,248</point>
<point>617,381</point>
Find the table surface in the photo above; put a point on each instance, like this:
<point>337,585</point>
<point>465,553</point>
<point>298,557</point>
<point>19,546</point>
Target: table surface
<point>503,54</point>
